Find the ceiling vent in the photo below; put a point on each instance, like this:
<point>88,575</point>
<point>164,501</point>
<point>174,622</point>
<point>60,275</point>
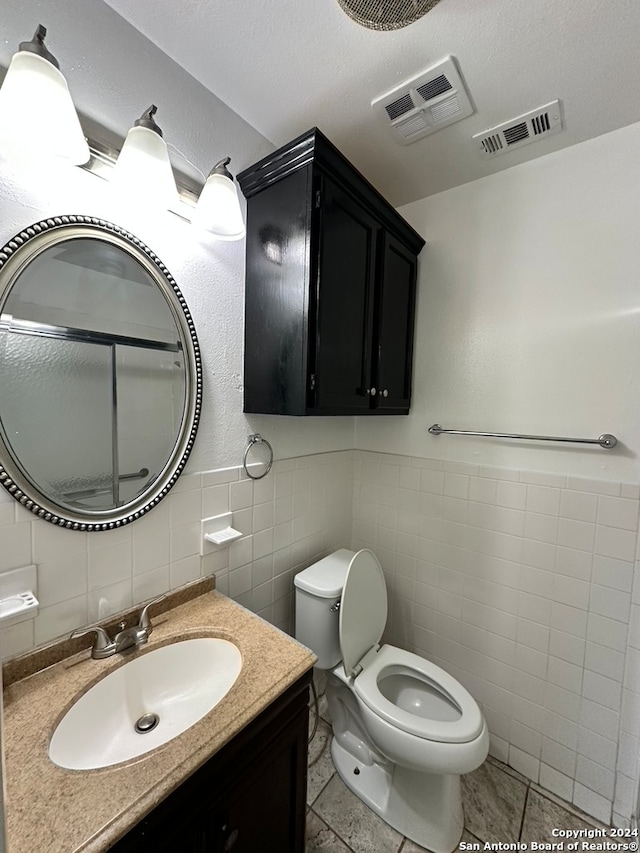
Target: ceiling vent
<point>386,14</point>
<point>432,99</point>
<point>520,131</point>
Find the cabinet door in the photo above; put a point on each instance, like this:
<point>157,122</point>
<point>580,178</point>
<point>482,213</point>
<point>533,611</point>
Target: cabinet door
<point>344,304</point>
<point>393,339</point>
<point>178,824</point>
<point>265,809</point>
<point>276,297</point>
<point>248,798</point>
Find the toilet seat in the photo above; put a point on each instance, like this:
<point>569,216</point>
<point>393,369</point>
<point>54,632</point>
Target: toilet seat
<point>389,661</point>
<point>363,615</point>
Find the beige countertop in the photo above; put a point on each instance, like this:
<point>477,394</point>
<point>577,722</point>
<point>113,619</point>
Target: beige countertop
<point>63,811</point>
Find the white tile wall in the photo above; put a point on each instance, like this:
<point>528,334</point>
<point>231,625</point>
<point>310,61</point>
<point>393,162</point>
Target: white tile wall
<point>301,511</point>
<point>524,586</point>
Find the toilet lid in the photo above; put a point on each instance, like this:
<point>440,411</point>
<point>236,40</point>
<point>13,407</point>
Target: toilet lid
<point>363,609</point>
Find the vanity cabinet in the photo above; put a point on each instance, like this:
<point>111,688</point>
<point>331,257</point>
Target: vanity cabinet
<point>330,288</point>
<point>249,797</point>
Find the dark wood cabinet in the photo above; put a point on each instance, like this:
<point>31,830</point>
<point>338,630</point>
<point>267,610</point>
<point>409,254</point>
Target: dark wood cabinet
<point>330,288</point>
<point>249,797</point>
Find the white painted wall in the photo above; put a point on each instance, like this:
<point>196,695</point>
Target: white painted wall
<point>113,78</point>
<point>515,564</point>
<point>529,315</point>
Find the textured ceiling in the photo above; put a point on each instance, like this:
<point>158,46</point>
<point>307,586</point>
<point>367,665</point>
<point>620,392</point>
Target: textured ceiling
<point>288,65</point>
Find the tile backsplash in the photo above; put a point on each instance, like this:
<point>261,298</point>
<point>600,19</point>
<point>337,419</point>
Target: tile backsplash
<point>301,510</point>
<point>521,584</point>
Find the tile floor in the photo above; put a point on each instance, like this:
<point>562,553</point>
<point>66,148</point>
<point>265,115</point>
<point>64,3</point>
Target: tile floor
<point>499,805</point>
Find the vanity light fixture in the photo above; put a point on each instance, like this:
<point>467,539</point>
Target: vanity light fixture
<point>40,120</point>
<point>143,168</point>
<point>36,107</point>
<point>218,207</point>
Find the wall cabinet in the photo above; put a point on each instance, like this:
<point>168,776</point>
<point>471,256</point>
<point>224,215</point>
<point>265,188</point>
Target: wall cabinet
<point>250,796</point>
<point>330,288</point>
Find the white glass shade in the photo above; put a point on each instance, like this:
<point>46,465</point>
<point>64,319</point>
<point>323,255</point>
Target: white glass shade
<point>218,209</point>
<point>37,114</point>
<point>143,169</point>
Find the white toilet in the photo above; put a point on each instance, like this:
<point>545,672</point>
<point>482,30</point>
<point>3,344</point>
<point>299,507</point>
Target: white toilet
<point>403,729</point>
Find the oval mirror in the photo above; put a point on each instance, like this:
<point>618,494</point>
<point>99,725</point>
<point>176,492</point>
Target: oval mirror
<point>100,374</point>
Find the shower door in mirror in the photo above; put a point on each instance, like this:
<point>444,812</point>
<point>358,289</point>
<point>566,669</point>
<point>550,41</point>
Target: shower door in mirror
<point>100,376</point>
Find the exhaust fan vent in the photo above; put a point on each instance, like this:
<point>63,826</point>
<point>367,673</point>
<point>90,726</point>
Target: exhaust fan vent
<point>386,14</point>
<point>411,126</point>
<point>399,107</point>
<point>432,99</point>
<point>520,131</point>
<point>442,111</point>
<point>434,88</point>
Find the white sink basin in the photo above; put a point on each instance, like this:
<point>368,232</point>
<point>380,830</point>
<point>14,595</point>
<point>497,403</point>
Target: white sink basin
<point>179,683</point>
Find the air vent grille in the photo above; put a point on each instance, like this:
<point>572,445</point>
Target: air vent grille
<point>434,88</point>
<point>432,99</point>
<point>399,107</point>
<point>413,125</point>
<point>516,133</point>
<point>492,144</point>
<point>541,123</point>
<point>520,131</point>
<point>443,111</point>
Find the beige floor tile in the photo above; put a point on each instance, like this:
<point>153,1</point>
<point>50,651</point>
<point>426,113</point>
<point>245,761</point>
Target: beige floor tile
<point>412,847</point>
<point>320,765</point>
<point>360,828</point>
<point>321,839</point>
<point>568,807</point>
<point>509,770</point>
<point>468,838</point>
<point>324,708</point>
<point>493,804</point>
<point>543,815</point>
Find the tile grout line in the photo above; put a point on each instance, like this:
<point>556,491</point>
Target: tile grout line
<point>315,799</point>
<point>524,811</point>
<point>333,831</point>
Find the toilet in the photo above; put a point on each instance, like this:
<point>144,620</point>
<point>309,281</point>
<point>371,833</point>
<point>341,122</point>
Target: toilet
<point>404,730</point>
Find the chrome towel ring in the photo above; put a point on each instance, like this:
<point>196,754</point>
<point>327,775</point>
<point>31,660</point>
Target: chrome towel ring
<point>255,439</point>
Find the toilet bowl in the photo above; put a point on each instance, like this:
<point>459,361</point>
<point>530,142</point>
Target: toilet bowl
<point>404,730</point>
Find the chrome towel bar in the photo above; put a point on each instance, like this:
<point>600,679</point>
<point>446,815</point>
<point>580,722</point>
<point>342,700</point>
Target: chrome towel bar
<point>606,440</point>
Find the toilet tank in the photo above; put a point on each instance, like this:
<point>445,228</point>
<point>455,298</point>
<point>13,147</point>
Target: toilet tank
<point>318,588</point>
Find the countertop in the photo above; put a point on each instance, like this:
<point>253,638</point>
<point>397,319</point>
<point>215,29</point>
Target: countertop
<point>64,811</point>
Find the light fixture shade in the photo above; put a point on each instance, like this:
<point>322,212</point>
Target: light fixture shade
<point>143,169</point>
<point>218,208</point>
<point>37,114</point>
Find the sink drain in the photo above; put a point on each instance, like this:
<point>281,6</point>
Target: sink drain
<point>146,723</point>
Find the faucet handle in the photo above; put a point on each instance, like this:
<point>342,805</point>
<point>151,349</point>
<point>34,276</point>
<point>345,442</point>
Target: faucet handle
<point>144,621</point>
<point>102,642</point>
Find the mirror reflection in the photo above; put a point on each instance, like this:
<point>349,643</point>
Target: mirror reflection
<point>96,385</point>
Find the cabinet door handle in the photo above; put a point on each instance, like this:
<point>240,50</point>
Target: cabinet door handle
<point>230,843</point>
<point>382,393</point>
<point>371,392</point>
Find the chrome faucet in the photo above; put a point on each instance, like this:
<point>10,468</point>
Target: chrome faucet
<point>137,635</point>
